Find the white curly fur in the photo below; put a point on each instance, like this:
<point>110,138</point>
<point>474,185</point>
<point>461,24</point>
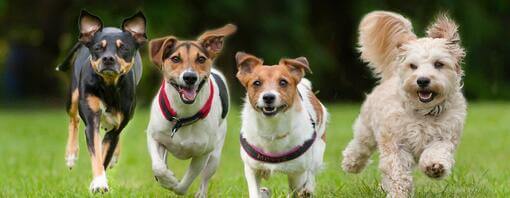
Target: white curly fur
<point>393,119</point>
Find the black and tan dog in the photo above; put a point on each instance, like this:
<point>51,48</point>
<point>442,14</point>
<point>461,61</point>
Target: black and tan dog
<point>106,67</point>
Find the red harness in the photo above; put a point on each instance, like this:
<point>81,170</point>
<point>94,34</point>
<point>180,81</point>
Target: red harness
<point>170,114</point>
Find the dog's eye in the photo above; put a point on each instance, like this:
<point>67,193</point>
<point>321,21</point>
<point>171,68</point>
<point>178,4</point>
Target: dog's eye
<point>176,59</point>
<point>98,48</point>
<point>257,83</point>
<point>438,65</point>
<point>283,83</point>
<point>201,59</point>
<point>413,66</point>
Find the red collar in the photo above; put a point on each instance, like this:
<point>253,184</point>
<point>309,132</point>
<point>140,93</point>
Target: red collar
<point>171,115</point>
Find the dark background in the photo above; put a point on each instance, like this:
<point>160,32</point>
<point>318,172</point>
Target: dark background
<point>35,35</point>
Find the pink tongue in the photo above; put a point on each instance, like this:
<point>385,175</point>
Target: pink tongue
<point>188,94</point>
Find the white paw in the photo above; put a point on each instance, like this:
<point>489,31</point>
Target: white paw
<point>166,179</point>
<point>71,160</point>
<point>99,184</point>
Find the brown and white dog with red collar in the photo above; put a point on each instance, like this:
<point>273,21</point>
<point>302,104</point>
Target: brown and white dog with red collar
<point>188,115</point>
<point>283,124</point>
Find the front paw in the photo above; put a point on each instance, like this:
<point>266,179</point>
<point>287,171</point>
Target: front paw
<point>99,184</point>
<point>71,160</point>
<point>435,170</point>
<point>167,179</point>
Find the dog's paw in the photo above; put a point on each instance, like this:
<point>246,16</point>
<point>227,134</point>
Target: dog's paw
<point>435,170</point>
<point>113,161</point>
<point>304,194</point>
<point>265,192</point>
<point>71,160</point>
<point>200,194</point>
<point>166,179</point>
<point>99,184</point>
<point>351,165</point>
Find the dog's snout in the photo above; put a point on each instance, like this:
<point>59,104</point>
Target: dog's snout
<point>269,98</point>
<point>108,60</point>
<point>190,78</point>
<point>423,82</point>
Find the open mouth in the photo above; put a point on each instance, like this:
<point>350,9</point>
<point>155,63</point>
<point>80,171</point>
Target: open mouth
<point>426,96</point>
<point>271,110</point>
<point>188,94</point>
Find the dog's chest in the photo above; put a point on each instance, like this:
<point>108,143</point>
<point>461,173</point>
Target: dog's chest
<point>418,134</point>
<point>192,140</point>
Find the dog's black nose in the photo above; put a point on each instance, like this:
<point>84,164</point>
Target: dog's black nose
<point>423,82</point>
<point>190,78</point>
<point>268,98</point>
<point>108,60</point>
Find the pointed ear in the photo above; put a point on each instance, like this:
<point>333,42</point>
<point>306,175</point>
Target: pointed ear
<point>245,64</point>
<point>444,27</point>
<point>89,25</point>
<point>297,66</point>
<point>212,40</point>
<point>159,49</point>
<point>136,26</point>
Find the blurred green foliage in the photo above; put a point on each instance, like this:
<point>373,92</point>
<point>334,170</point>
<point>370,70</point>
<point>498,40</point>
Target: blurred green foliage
<point>323,31</point>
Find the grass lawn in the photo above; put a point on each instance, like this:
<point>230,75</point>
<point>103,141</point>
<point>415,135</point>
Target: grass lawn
<point>32,144</point>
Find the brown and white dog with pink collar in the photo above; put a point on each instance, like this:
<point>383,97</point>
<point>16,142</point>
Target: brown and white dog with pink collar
<point>188,115</point>
<point>283,124</point>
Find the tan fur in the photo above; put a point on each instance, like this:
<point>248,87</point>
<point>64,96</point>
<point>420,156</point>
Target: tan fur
<point>97,156</point>
<point>445,28</point>
<point>380,36</point>
<point>74,121</point>
<point>407,131</point>
<point>317,107</point>
<point>94,103</point>
<point>270,77</point>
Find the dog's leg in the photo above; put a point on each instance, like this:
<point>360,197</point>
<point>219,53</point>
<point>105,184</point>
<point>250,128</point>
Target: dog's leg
<point>115,157</point>
<point>157,152</point>
<point>302,185</point>
<point>72,140</point>
<point>253,180</point>
<point>195,168</point>
<point>92,118</point>
<point>110,143</point>
<point>437,159</point>
<point>209,170</point>
<point>358,151</point>
<point>396,167</point>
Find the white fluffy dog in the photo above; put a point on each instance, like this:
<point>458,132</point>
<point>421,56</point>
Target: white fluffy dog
<point>416,113</point>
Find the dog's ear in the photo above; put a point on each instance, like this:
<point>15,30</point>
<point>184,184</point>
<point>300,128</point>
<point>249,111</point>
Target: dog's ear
<point>444,27</point>
<point>89,24</point>
<point>245,64</point>
<point>297,67</point>
<point>381,37</point>
<point>212,40</point>
<point>160,48</point>
<point>136,26</point>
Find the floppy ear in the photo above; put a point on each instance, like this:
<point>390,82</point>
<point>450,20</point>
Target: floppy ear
<point>245,64</point>
<point>212,40</point>
<point>159,49</point>
<point>89,25</point>
<point>444,27</point>
<point>297,67</point>
<point>381,36</point>
<point>136,26</point>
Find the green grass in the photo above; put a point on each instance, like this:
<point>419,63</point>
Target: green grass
<point>32,144</point>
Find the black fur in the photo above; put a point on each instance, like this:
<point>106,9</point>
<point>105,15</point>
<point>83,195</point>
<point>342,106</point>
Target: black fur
<point>115,97</point>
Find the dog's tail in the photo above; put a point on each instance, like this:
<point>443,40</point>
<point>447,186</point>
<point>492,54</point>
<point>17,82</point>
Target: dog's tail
<point>64,66</point>
<point>380,36</point>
